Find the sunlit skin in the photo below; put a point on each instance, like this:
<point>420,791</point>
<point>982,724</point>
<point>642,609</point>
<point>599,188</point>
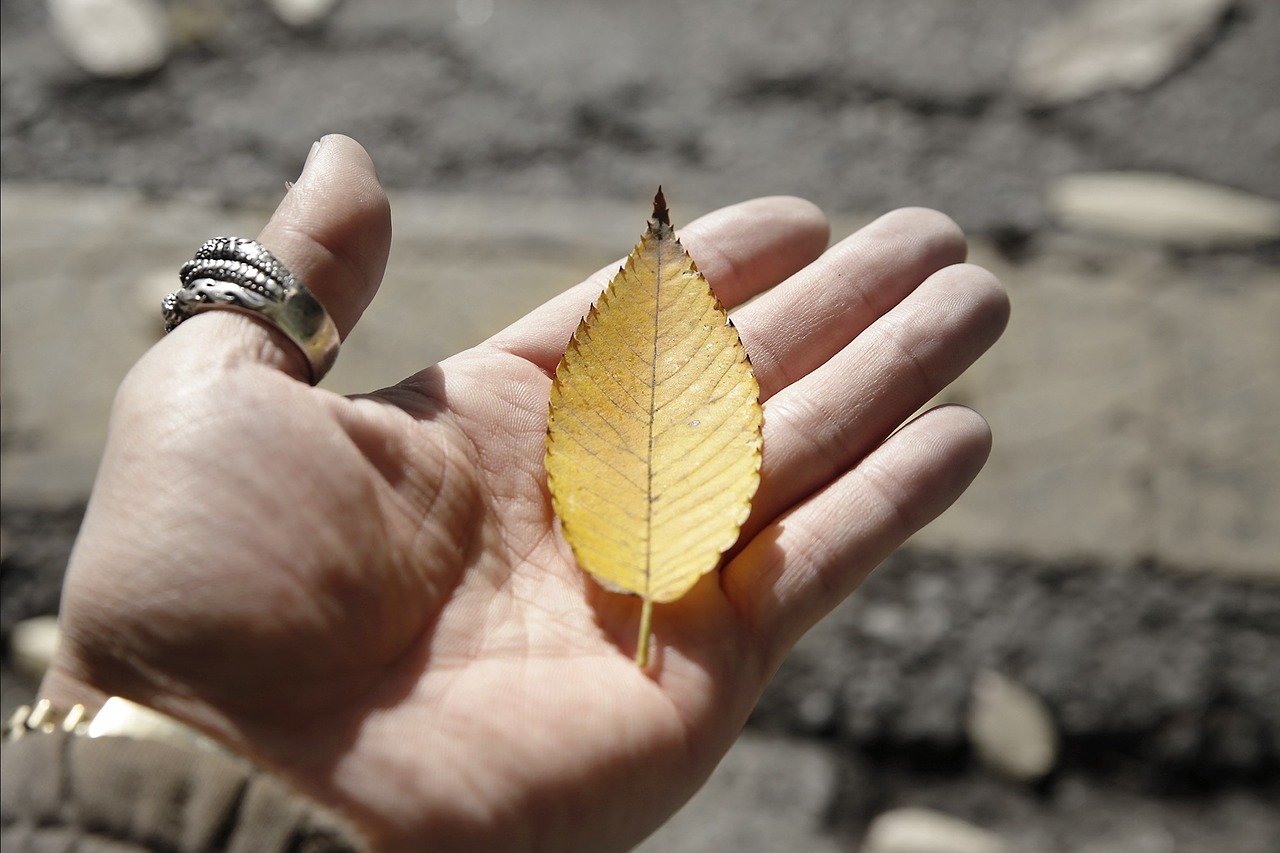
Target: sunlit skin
<point>369,595</point>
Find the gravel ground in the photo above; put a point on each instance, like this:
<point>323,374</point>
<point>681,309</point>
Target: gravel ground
<point>1164,685</point>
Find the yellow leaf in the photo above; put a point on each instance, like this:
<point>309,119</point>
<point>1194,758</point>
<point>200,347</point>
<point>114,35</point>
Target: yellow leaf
<point>653,436</point>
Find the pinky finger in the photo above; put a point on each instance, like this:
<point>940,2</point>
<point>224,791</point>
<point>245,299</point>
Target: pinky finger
<point>806,562</point>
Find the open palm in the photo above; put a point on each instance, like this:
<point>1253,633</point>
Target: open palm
<point>370,596</point>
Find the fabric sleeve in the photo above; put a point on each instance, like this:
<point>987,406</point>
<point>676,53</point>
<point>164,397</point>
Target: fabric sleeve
<point>120,795</point>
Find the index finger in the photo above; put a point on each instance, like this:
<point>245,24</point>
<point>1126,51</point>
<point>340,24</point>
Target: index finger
<point>742,250</point>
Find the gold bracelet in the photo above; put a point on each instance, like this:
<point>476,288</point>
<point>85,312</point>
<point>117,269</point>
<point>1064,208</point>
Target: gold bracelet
<point>117,718</point>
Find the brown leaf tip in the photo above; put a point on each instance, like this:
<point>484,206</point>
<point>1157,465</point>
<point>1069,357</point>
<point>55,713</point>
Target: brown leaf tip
<point>660,208</point>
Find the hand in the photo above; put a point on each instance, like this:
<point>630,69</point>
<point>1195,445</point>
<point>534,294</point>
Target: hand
<point>369,595</point>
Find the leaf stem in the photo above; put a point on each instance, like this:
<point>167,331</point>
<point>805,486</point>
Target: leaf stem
<point>646,628</point>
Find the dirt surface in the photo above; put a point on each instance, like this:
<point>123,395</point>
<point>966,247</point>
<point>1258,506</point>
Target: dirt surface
<point>859,107</point>
<point>1165,685</point>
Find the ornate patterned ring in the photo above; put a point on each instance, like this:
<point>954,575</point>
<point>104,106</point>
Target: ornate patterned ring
<point>240,274</point>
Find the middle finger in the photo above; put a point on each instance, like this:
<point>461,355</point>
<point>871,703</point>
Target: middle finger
<point>804,321</point>
<point>819,426</point>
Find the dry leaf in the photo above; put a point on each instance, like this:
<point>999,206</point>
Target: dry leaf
<point>653,437</point>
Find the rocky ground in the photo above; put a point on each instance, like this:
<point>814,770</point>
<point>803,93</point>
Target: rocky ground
<point>1117,563</point>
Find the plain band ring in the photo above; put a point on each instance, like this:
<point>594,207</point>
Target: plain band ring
<point>240,274</point>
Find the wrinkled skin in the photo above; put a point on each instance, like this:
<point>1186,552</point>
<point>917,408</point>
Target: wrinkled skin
<point>369,595</point>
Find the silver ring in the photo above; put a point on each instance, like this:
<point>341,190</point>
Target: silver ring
<point>240,274</point>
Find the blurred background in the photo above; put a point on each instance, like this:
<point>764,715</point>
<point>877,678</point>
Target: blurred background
<point>1082,655</point>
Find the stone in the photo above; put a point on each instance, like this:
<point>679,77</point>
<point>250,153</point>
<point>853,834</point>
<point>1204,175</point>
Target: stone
<point>32,644</point>
<point>474,13</point>
<point>1131,420</point>
<point>1164,208</point>
<point>1010,728</point>
<point>302,13</point>
<point>916,830</point>
<point>1103,45</point>
<point>113,38</point>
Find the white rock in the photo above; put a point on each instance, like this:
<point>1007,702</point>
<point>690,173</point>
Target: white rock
<point>113,38</point>
<point>1010,728</point>
<point>1166,208</point>
<point>302,13</point>
<point>913,830</point>
<point>474,13</point>
<point>1105,44</point>
<point>32,645</point>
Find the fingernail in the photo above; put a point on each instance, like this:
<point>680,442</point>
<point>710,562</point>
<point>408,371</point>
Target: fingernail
<point>311,156</point>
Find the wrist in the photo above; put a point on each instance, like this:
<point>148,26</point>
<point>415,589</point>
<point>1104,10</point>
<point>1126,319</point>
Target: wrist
<point>68,684</point>
<point>76,706</point>
<point>64,690</point>
<point>116,718</point>
<point>145,781</point>
<point>111,713</point>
